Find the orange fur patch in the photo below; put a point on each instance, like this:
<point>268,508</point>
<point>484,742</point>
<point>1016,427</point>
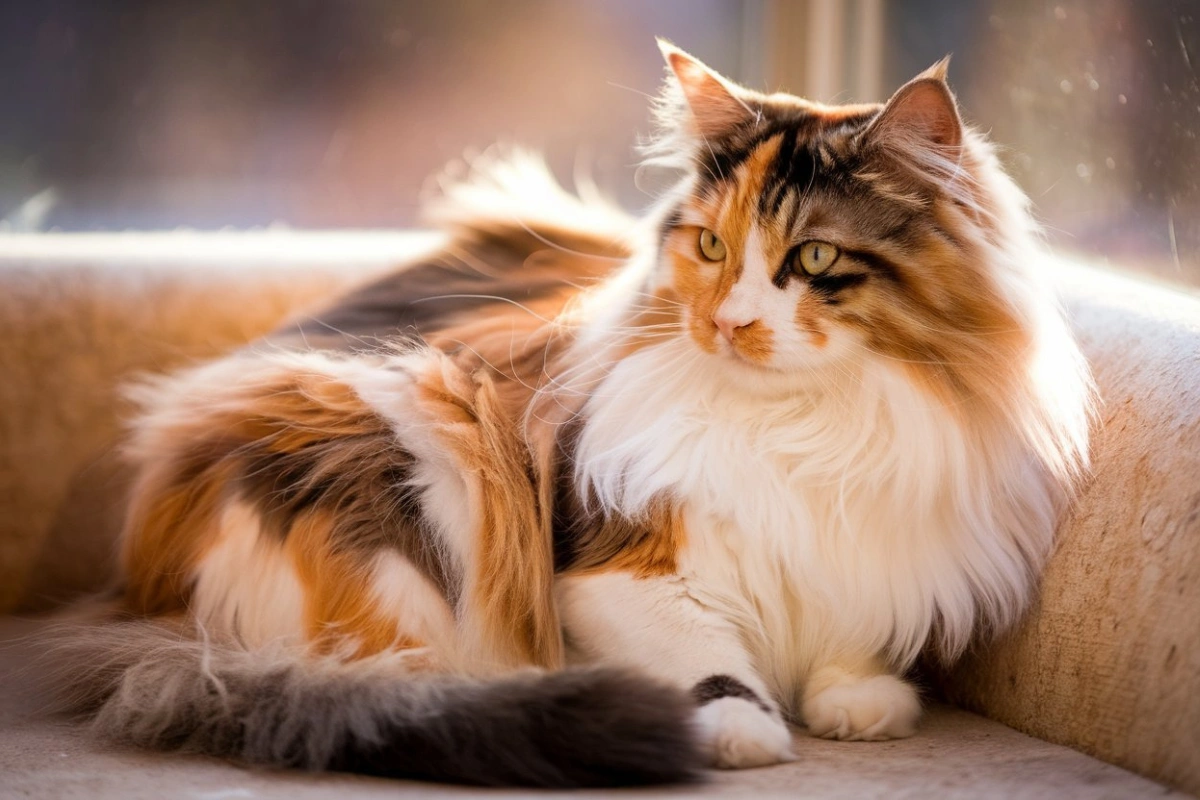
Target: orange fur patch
<point>807,318</point>
<point>338,606</point>
<point>951,330</point>
<point>510,586</point>
<point>170,525</point>
<point>754,341</point>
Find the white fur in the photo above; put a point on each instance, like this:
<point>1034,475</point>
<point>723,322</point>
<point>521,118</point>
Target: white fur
<point>736,734</point>
<point>841,511</point>
<point>392,394</point>
<point>246,587</point>
<point>655,625</point>
<point>753,297</point>
<point>659,627</point>
<point>854,708</point>
<point>419,608</point>
<point>504,185</point>
<point>848,514</point>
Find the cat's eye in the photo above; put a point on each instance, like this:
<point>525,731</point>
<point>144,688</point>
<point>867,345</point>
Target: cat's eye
<point>814,258</point>
<point>711,247</point>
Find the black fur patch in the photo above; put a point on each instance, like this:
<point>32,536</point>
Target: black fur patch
<point>572,526</point>
<point>565,730</point>
<point>370,498</point>
<point>152,686</point>
<point>422,298</point>
<point>714,687</point>
<point>828,286</point>
<point>881,266</point>
<point>796,166</point>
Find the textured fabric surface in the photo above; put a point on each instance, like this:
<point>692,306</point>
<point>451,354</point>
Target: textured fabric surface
<point>955,755</point>
<point>1109,661</point>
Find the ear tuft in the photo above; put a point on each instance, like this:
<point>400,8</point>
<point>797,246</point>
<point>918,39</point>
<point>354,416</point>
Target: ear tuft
<point>939,70</point>
<point>665,47</point>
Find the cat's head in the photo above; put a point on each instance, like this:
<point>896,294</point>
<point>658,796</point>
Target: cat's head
<point>807,234</point>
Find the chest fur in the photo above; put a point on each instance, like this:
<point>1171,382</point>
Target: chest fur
<point>814,521</point>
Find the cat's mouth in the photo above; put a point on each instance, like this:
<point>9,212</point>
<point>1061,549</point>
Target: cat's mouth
<point>732,354</point>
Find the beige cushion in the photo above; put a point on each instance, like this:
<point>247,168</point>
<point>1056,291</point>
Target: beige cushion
<point>1109,662</point>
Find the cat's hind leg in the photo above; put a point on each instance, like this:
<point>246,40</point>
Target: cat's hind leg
<point>359,505</point>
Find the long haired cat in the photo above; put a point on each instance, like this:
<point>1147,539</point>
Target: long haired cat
<point>588,500</point>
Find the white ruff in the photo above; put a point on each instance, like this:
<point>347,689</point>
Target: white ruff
<point>850,516</point>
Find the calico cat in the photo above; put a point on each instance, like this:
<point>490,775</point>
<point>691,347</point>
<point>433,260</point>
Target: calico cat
<point>582,499</point>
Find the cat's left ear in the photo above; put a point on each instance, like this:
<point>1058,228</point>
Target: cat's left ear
<point>715,106</point>
<point>922,114</point>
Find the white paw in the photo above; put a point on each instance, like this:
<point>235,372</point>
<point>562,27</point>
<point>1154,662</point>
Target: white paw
<point>863,709</point>
<point>736,733</point>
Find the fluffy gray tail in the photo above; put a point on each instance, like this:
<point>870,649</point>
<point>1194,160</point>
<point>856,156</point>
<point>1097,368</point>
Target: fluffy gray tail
<point>147,684</point>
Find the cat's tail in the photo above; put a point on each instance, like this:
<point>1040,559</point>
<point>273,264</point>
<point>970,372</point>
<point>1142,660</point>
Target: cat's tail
<point>509,194</point>
<point>153,684</point>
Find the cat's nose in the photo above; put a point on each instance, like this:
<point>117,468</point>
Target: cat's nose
<point>728,322</point>
<point>738,309</point>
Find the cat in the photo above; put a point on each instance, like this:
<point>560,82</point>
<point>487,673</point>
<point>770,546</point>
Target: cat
<point>580,499</point>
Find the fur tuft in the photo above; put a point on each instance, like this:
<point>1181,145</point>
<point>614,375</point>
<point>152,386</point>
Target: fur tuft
<point>507,191</point>
<point>147,684</point>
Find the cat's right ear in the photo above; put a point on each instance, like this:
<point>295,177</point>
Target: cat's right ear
<point>713,101</point>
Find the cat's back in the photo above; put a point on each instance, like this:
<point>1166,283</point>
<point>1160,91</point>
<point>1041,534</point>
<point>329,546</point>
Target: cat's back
<point>513,272</point>
<point>517,249</point>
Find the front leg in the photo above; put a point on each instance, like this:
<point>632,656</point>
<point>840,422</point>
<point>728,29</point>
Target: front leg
<point>655,625</point>
<point>859,700</point>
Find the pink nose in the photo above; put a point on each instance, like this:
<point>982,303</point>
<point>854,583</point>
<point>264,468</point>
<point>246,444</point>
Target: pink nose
<point>729,324</point>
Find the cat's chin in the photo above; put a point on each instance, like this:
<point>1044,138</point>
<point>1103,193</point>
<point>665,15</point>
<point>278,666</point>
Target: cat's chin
<point>819,373</point>
<point>758,378</point>
<point>730,358</point>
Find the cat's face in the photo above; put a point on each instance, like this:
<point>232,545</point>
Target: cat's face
<point>806,239</point>
<point>776,254</point>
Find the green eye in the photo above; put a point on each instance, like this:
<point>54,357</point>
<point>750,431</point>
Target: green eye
<point>711,247</point>
<point>816,257</point>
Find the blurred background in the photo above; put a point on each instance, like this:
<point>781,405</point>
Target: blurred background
<point>157,114</point>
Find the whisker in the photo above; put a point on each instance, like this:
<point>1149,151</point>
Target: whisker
<point>562,248</point>
<point>493,297</point>
<point>928,361</point>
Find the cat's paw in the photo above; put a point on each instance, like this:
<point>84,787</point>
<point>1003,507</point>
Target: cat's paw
<point>871,709</point>
<point>736,733</point>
